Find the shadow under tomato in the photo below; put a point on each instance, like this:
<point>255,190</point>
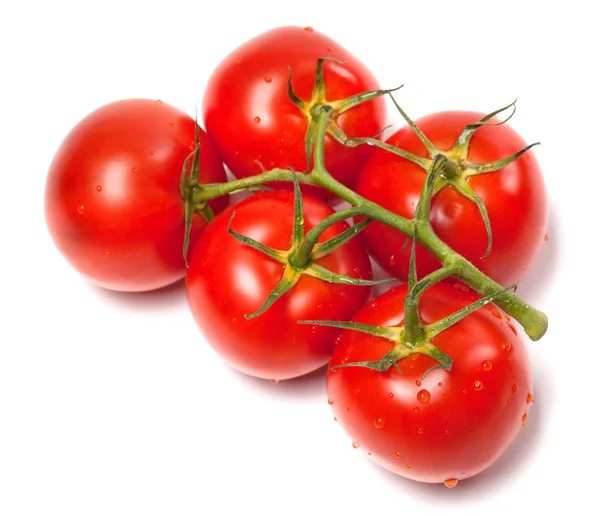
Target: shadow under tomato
<point>304,389</point>
<point>507,468</point>
<point>155,302</point>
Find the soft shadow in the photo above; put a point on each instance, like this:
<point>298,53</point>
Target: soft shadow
<point>171,297</point>
<point>538,283</point>
<point>304,389</point>
<point>509,468</point>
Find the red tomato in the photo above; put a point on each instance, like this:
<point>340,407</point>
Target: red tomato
<point>113,204</point>
<point>448,425</point>
<point>249,116</point>
<point>515,198</point>
<point>227,280</point>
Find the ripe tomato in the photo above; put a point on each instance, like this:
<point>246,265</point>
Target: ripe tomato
<point>249,116</point>
<point>112,202</point>
<point>227,280</point>
<point>515,198</point>
<point>448,425</point>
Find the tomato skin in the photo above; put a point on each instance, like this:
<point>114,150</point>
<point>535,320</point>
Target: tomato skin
<point>248,114</point>
<point>112,201</point>
<point>472,413</point>
<point>227,280</point>
<point>515,198</point>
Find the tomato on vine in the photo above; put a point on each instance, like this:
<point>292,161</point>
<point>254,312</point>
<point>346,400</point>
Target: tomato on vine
<point>113,202</point>
<point>486,181</point>
<point>248,112</point>
<point>418,419</point>
<point>247,299</point>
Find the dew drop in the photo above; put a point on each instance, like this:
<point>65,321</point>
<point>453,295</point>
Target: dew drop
<point>477,385</point>
<point>513,329</point>
<point>505,346</point>
<point>357,391</point>
<point>529,399</point>
<point>257,120</point>
<point>151,153</point>
<point>392,260</point>
<point>159,101</point>
<point>379,422</point>
<point>496,313</point>
<point>192,146</point>
<point>355,445</point>
<point>347,409</point>
<point>439,384</point>
<point>515,388</point>
<point>171,124</point>
<point>546,237</point>
<point>329,49</point>
<point>309,29</point>
<point>330,401</point>
<point>268,79</point>
<point>335,418</point>
<point>313,329</point>
<point>391,395</point>
<point>486,365</point>
<point>345,360</point>
<point>418,383</point>
<point>423,396</point>
<point>134,169</point>
<point>81,209</point>
<point>398,454</point>
<point>99,188</point>
<point>416,410</point>
<point>408,466</point>
<point>234,320</point>
<point>107,253</point>
<point>420,431</point>
<point>373,304</point>
<point>465,391</point>
<point>524,418</point>
<point>338,339</point>
<point>451,482</point>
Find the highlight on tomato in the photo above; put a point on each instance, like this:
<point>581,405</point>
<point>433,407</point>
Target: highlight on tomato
<point>113,203</point>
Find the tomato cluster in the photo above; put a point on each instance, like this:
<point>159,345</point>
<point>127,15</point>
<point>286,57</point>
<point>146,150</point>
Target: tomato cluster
<point>430,378</point>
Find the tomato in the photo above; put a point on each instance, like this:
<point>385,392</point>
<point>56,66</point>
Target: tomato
<point>227,280</point>
<point>515,198</point>
<point>248,114</point>
<point>447,425</point>
<point>112,202</point>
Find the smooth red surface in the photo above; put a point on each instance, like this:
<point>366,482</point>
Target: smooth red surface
<point>227,280</point>
<point>471,414</point>
<point>515,198</point>
<point>249,116</point>
<point>112,202</point>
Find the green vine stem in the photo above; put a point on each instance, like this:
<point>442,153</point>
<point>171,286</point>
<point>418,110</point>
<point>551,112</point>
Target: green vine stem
<point>534,322</point>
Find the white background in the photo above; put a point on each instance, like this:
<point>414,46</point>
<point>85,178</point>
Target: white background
<point>113,404</point>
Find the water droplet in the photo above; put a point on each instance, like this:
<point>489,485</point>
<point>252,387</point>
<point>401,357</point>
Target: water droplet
<point>392,260</point>
<point>330,401</point>
<point>355,445</point>
<point>391,395</point>
<point>515,388</point>
<point>439,384</point>
<point>81,209</point>
<point>524,418</point>
<point>309,29</point>
<point>151,153</point>
<point>420,431</point>
<point>513,329</point>
<point>134,169</point>
<point>505,346</point>
<point>357,391</point>
<point>373,304</point>
<point>546,237</point>
<point>257,120</point>
<point>398,454</point>
<point>423,396</point>
<point>99,188</point>
<point>418,383</point>
<point>408,466</point>
<point>275,381</point>
<point>451,482</point>
<point>268,79</point>
<point>107,253</point>
<point>234,320</point>
<point>159,101</point>
<point>416,410</point>
<point>379,422</point>
<point>171,124</point>
<point>345,360</point>
<point>477,385</point>
<point>335,418</point>
<point>465,391</point>
<point>338,339</point>
<point>329,49</point>
<point>486,365</point>
<point>529,399</point>
<point>313,329</point>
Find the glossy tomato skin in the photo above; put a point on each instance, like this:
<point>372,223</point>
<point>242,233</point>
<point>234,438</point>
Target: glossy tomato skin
<point>515,198</point>
<point>112,201</point>
<point>449,425</point>
<point>227,280</point>
<point>248,114</point>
